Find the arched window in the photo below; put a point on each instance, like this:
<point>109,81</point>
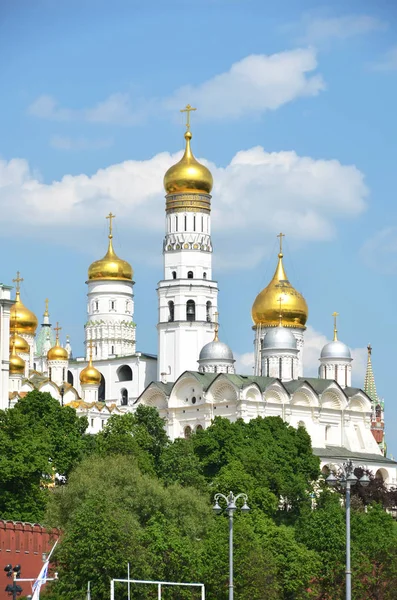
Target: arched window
<point>173,274</point>
<point>171,311</point>
<point>190,274</point>
<point>204,275</point>
<point>378,411</point>
<point>199,428</point>
<point>209,307</point>
<point>176,223</point>
<point>188,432</point>
<point>190,310</point>
<point>124,397</point>
<point>70,378</point>
<point>96,305</point>
<point>124,373</point>
<point>102,390</point>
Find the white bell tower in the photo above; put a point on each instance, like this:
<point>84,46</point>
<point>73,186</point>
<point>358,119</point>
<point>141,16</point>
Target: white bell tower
<point>187,295</point>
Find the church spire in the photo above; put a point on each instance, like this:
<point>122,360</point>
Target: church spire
<point>369,383</point>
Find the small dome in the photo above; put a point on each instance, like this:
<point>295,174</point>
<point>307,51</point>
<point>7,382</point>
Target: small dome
<point>110,266</point>
<point>279,338</point>
<point>336,349</point>
<point>90,375</point>
<point>266,308</point>
<point>57,352</point>
<point>20,344</point>
<point>188,175</point>
<point>17,364</point>
<point>216,351</point>
<point>22,320</point>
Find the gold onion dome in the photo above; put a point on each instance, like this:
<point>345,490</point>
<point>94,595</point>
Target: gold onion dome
<point>280,294</point>
<point>90,375</point>
<point>110,266</point>
<point>17,364</point>
<point>20,344</point>
<point>22,319</point>
<point>188,175</point>
<point>57,352</point>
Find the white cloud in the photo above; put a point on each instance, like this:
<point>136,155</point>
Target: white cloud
<point>67,143</point>
<point>379,252</point>
<point>256,194</point>
<point>388,62</point>
<point>314,342</point>
<point>252,85</point>
<point>319,30</point>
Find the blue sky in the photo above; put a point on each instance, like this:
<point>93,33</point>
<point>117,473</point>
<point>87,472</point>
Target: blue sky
<point>296,119</point>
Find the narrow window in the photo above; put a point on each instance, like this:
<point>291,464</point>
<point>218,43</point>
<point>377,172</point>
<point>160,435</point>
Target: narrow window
<point>92,422</point>
<point>204,275</point>
<point>112,305</point>
<point>188,432</point>
<point>63,374</point>
<point>280,368</point>
<point>96,305</point>
<point>209,306</point>
<point>112,350</point>
<point>176,223</point>
<point>190,274</point>
<point>170,311</point>
<point>202,223</point>
<point>185,222</point>
<point>327,432</point>
<point>103,423</point>
<point>292,368</point>
<point>194,223</point>
<point>190,310</point>
<point>173,274</point>
<point>267,366</point>
<point>336,372</point>
<point>346,376</point>
<point>50,373</point>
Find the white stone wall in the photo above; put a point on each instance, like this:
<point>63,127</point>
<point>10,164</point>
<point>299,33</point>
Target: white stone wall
<point>260,332</point>
<point>340,370</point>
<point>110,324</point>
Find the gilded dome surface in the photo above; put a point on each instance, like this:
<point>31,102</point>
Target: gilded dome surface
<point>90,375</point>
<point>57,352</point>
<point>22,320</point>
<point>188,175</point>
<point>17,365</point>
<point>267,306</point>
<point>110,266</point>
<point>20,344</point>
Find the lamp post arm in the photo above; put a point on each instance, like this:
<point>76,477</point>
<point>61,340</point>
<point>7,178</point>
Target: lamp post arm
<point>220,496</point>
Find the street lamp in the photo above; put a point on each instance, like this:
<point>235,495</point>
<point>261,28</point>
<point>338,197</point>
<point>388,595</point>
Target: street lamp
<point>346,478</point>
<point>62,392</point>
<point>231,506</point>
<point>13,589</point>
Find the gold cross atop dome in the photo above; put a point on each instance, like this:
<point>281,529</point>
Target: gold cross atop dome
<point>188,109</point>
<point>335,315</point>
<point>280,301</point>
<point>111,216</point>
<point>18,280</point>
<point>46,307</point>
<point>281,235</point>
<point>90,346</point>
<point>57,329</point>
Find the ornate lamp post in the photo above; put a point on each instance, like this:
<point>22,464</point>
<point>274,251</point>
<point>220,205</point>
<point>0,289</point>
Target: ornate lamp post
<point>62,390</point>
<point>231,506</point>
<point>346,479</point>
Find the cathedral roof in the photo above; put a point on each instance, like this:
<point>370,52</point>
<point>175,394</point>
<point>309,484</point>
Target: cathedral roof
<point>110,266</point>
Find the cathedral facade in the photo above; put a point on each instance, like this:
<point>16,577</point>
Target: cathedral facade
<point>193,379</point>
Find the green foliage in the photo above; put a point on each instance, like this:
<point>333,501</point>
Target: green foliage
<point>38,438</point>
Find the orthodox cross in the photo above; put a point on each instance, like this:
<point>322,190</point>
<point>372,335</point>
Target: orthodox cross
<point>335,314</point>
<point>90,347</point>
<point>111,217</point>
<point>280,300</point>
<point>57,329</point>
<point>281,235</point>
<point>188,109</point>
<point>18,281</point>
<point>46,306</point>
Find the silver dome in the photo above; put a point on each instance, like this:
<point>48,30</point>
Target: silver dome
<point>216,351</point>
<point>281,338</point>
<point>335,349</point>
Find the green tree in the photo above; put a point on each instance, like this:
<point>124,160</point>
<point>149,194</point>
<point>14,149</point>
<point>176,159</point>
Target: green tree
<point>38,438</point>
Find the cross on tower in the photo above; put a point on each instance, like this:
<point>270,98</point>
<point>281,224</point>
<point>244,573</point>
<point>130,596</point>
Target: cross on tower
<point>369,348</point>
<point>46,306</point>
<point>335,315</point>
<point>188,109</point>
<point>216,315</point>
<point>281,235</point>
<point>90,346</point>
<point>111,217</point>
<point>280,300</point>
<point>18,281</point>
<point>57,329</point>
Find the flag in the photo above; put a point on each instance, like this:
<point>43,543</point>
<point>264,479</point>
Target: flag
<point>42,578</point>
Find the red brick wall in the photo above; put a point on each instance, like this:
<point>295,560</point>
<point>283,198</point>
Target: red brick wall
<point>23,544</point>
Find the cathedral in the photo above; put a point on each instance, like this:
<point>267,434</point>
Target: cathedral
<point>192,379</point>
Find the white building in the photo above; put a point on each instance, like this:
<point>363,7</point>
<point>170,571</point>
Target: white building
<point>194,379</point>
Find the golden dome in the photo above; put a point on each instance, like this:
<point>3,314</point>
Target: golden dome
<point>17,364</point>
<point>22,319</point>
<point>110,266</point>
<point>267,306</point>
<point>188,175</point>
<point>57,352</point>
<point>90,375</point>
<point>20,344</point>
